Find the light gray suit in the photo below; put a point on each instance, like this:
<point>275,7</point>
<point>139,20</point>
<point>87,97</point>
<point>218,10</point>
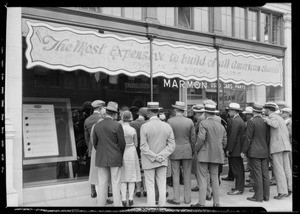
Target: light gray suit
<point>280,148</point>
<point>157,138</point>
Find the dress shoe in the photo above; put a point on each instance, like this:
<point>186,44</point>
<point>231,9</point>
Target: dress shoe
<point>232,189</point>
<point>228,179</point>
<point>130,203</point>
<point>253,199</point>
<point>138,194</point>
<point>216,205</point>
<point>195,189</point>
<point>109,194</point>
<point>197,205</point>
<point>289,193</point>
<point>280,196</point>
<point>108,201</point>
<point>235,192</point>
<point>266,199</point>
<point>171,201</point>
<point>251,190</point>
<point>124,203</point>
<point>94,194</point>
<point>156,202</point>
<point>208,198</point>
<point>249,185</point>
<point>247,180</point>
<point>145,194</point>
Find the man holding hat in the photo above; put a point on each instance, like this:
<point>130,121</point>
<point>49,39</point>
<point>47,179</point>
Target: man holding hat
<point>234,146</point>
<point>98,113</point>
<point>143,116</point>
<point>256,147</point>
<point>157,143</point>
<point>280,148</point>
<point>286,114</point>
<point>184,133</point>
<point>209,149</point>
<point>109,142</point>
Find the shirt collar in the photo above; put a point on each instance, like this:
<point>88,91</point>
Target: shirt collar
<point>107,116</point>
<point>96,111</point>
<point>209,118</point>
<point>235,116</point>
<point>154,118</point>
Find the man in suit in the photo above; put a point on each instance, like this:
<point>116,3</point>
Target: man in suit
<point>286,114</point>
<point>157,143</point>
<point>234,148</point>
<point>256,147</point>
<point>109,142</point>
<point>209,148</point>
<point>184,133</point>
<point>280,148</point>
<point>88,123</point>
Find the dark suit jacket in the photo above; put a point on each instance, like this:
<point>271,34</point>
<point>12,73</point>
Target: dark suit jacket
<point>257,140</point>
<point>235,137</point>
<point>109,142</point>
<point>88,124</point>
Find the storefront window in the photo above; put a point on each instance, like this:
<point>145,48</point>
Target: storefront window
<point>227,21</point>
<point>252,25</point>
<point>200,18</point>
<point>165,15</point>
<point>239,22</point>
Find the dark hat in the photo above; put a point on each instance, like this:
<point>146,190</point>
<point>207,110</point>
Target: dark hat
<point>97,103</point>
<point>179,105</point>
<point>198,108</point>
<point>87,105</point>
<point>271,105</point>
<point>210,108</point>
<point>153,106</point>
<point>112,106</point>
<point>234,106</point>
<point>257,107</point>
<point>127,116</point>
<point>144,111</point>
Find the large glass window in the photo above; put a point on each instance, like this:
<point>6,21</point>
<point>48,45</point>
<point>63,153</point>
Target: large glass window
<point>265,27</point>
<point>200,18</point>
<point>184,17</point>
<point>276,29</point>
<point>166,15</point>
<point>252,25</point>
<point>227,21</point>
<point>239,22</point>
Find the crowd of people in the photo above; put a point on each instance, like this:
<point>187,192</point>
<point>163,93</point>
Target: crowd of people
<point>139,154</point>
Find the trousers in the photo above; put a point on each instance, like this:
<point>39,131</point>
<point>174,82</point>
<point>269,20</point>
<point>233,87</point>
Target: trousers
<point>238,171</point>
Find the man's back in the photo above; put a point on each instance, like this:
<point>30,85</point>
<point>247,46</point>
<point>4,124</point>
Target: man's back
<point>88,124</point>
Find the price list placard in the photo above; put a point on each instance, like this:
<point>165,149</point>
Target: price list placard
<point>39,131</point>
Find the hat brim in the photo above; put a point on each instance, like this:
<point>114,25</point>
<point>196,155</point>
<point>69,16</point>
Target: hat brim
<point>155,108</point>
<point>259,111</point>
<point>112,110</point>
<point>247,112</point>
<point>237,109</point>
<point>214,112</point>
<point>198,111</point>
<point>178,107</point>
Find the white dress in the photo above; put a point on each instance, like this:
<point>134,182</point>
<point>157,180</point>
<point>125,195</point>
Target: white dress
<point>131,168</point>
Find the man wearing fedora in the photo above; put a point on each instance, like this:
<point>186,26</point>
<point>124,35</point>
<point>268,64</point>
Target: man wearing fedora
<point>184,133</point>
<point>143,116</point>
<point>280,148</point>
<point>157,143</point>
<point>256,148</point>
<point>98,113</point>
<point>209,149</point>
<point>109,142</point>
<point>235,140</point>
<point>286,114</point>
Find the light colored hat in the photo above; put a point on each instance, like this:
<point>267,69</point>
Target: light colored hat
<point>257,107</point>
<point>234,106</point>
<point>198,108</point>
<point>288,110</point>
<point>127,116</point>
<point>210,108</point>
<point>112,106</point>
<point>209,102</point>
<point>281,104</point>
<point>248,110</point>
<point>271,105</point>
<point>153,106</point>
<point>179,105</point>
<point>97,103</point>
<point>144,111</point>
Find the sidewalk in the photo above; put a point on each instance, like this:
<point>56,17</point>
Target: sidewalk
<point>273,205</point>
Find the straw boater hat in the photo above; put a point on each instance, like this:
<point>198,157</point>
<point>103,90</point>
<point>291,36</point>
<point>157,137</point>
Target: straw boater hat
<point>210,108</point>
<point>112,106</point>
<point>234,106</point>
<point>198,108</point>
<point>153,106</point>
<point>127,116</point>
<point>97,103</point>
<point>257,107</point>
<point>288,110</point>
<point>271,105</point>
<point>209,102</point>
<point>248,110</point>
<point>144,111</point>
<point>179,105</point>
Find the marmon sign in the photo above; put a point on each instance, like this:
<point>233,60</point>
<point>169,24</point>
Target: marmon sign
<point>68,49</point>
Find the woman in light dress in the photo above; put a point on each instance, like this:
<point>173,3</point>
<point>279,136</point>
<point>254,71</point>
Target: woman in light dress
<point>131,168</point>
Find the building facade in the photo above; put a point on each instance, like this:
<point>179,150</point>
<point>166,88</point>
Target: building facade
<point>142,54</point>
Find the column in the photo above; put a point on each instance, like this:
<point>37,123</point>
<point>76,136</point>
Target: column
<point>13,98</point>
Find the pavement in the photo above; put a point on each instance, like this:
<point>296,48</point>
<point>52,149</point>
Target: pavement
<point>226,201</point>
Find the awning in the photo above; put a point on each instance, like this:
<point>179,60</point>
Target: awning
<point>69,49</point>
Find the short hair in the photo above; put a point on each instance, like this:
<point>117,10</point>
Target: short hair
<point>154,111</point>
